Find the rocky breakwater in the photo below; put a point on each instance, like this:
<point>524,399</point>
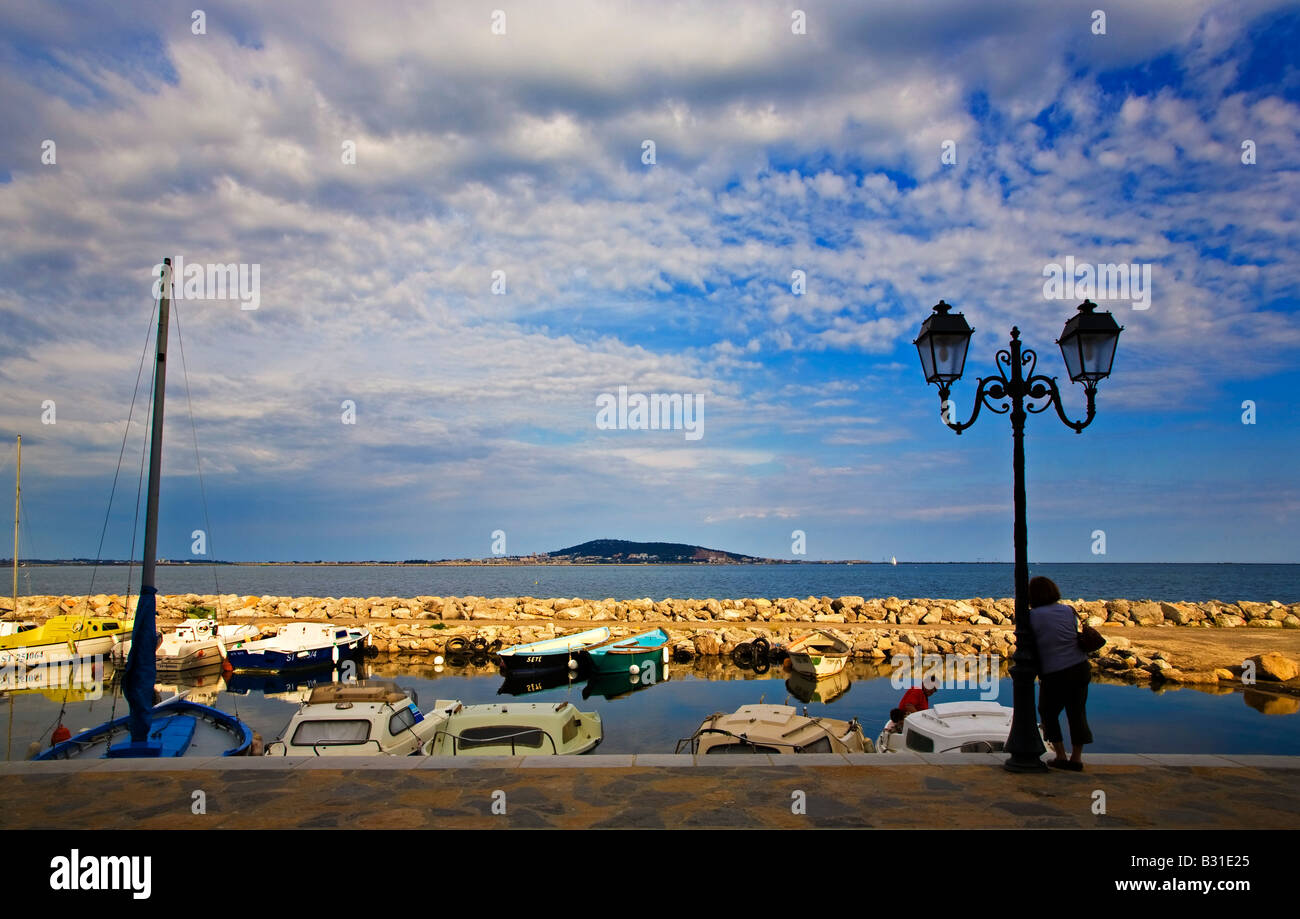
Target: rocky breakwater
<point>877,629</point>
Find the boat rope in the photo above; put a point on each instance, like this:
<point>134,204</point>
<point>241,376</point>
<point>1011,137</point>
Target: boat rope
<point>108,511</point>
<point>203,496</point>
<point>99,552</point>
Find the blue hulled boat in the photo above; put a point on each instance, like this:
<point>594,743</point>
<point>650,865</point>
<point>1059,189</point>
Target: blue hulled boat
<point>177,728</point>
<point>301,646</point>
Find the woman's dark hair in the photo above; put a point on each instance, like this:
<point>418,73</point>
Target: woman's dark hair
<point>1043,592</point>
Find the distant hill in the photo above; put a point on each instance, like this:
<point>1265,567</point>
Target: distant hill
<point>622,550</point>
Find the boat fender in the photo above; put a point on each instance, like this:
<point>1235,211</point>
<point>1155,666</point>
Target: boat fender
<point>573,664</point>
<point>743,655</point>
<point>478,645</point>
<point>334,654</point>
<point>456,644</point>
<point>60,734</point>
<point>762,649</point>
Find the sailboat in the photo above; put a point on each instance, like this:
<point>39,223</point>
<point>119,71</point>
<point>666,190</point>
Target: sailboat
<point>893,560</point>
<point>175,727</point>
<point>60,639</point>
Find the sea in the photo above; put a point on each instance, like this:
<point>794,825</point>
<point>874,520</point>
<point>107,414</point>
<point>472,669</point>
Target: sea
<point>957,580</point>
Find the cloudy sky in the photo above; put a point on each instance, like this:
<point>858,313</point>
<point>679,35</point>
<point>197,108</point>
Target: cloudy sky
<point>463,241</point>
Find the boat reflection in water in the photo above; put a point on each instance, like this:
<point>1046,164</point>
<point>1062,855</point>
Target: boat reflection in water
<point>525,684</point>
<point>293,687</point>
<point>618,685</point>
<point>809,689</point>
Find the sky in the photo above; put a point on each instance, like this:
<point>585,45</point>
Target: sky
<point>470,223</point>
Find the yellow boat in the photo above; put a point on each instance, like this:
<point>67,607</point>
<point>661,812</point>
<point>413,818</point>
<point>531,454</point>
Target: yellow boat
<point>62,638</point>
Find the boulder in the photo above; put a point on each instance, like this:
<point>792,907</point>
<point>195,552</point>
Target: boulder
<point>1147,613</point>
<point>1275,666</point>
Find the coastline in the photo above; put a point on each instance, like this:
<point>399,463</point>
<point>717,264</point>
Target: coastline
<point>1147,640</point>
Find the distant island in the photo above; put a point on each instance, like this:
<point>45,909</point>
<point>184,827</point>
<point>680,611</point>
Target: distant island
<point>592,552</point>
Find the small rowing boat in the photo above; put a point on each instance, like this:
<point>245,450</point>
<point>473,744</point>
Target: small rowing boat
<point>631,655</point>
<point>819,655</point>
<point>549,655</point>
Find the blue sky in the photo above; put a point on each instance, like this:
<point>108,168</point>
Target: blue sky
<point>522,153</point>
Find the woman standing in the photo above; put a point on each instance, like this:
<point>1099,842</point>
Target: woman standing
<point>1063,672</point>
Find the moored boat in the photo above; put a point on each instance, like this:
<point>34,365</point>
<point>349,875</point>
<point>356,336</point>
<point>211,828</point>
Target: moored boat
<point>195,644</point>
<point>549,655</point>
<point>366,716</point>
<point>631,655</point>
<point>300,646</point>
<point>951,727</point>
<point>61,639</point>
<point>762,728</point>
<point>819,655</point>
<point>178,727</point>
<point>517,729</point>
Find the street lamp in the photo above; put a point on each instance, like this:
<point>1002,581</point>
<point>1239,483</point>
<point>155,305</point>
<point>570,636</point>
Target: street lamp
<point>1088,347</point>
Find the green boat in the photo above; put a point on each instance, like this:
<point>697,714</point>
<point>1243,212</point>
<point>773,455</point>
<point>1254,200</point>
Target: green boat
<point>631,655</point>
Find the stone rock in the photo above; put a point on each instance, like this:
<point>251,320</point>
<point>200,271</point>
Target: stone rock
<point>1147,613</point>
<point>1224,674</point>
<point>707,644</point>
<point>1228,621</point>
<point>1275,666</point>
<point>577,612</point>
<point>932,618</point>
<point>1261,623</point>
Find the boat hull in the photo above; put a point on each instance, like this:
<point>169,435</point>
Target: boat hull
<point>650,649</point>
<point>56,652</point>
<point>180,728</point>
<point>272,661</point>
<point>545,658</point>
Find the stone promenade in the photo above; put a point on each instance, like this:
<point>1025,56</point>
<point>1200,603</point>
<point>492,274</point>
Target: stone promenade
<point>903,790</point>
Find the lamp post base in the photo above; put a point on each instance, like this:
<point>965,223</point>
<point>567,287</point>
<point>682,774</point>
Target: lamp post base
<point>1022,763</point>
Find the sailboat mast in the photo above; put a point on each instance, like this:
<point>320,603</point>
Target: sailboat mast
<point>138,681</point>
<point>155,435</point>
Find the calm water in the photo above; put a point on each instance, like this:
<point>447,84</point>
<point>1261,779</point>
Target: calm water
<point>1192,582</point>
<point>1124,718</point>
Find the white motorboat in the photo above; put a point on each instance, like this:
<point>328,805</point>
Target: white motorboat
<point>516,729</point>
<point>765,728</point>
<point>819,655</point>
<point>363,717</point>
<point>193,645</point>
<point>951,727</point>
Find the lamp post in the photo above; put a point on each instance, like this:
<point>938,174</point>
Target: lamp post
<point>1088,347</point>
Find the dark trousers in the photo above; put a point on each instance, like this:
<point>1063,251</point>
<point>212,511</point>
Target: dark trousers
<point>1065,689</point>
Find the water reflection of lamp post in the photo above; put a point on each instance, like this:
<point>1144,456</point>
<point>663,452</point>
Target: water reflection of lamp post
<point>1088,347</point>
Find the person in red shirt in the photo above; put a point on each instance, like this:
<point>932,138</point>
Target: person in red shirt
<point>917,699</point>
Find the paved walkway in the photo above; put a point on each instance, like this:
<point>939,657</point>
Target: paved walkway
<point>904,790</point>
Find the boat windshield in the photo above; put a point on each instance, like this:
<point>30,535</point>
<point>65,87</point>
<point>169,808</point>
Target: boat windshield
<point>331,733</point>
